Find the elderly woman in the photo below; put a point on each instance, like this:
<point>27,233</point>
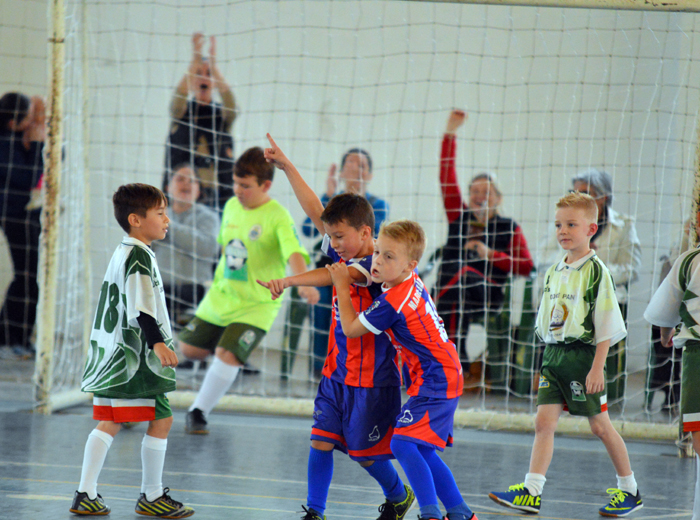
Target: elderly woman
<point>483,248</point>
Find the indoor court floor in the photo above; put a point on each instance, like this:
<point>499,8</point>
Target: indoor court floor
<point>254,467</point>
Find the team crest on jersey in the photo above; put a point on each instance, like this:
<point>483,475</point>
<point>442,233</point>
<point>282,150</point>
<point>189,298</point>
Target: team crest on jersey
<point>543,382</point>
<point>558,317</point>
<point>577,391</point>
<point>374,305</point>
<point>374,436</point>
<point>255,232</point>
<point>406,418</point>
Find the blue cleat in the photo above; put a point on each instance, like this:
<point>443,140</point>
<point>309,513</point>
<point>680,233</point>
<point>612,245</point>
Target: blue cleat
<point>622,503</point>
<point>518,497</point>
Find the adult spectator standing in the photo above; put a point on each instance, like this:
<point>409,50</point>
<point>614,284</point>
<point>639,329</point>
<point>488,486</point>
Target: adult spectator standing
<point>617,245</point>
<point>483,249</point>
<point>200,131</point>
<point>355,174</point>
<point>188,253</point>
<point>22,135</point>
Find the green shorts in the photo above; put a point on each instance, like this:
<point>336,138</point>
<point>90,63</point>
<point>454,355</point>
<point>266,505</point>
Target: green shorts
<point>238,338</point>
<point>690,387</point>
<point>120,410</point>
<point>563,379</point>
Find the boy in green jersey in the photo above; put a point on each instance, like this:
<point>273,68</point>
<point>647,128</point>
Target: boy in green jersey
<point>578,319</point>
<point>675,303</point>
<point>258,239</point>
<point>131,359</point>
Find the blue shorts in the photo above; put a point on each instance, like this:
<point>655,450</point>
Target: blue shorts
<point>358,421</point>
<point>428,421</point>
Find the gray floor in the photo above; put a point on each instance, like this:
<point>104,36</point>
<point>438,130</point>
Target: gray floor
<point>254,467</point>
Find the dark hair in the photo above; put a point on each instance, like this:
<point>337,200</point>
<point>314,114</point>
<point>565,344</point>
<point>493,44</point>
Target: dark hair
<point>13,107</point>
<point>135,198</point>
<point>252,163</point>
<point>358,151</point>
<point>354,209</point>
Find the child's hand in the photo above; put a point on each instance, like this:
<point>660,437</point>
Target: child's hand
<point>595,381</point>
<point>456,119</point>
<point>276,287</point>
<point>276,156</point>
<point>167,357</point>
<point>340,275</point>
<point>310,294</point>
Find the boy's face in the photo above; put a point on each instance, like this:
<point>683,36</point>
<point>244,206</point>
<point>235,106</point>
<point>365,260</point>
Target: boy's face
<point>347,241</point>
<point>390,262</point>
<point>356,173</point>
<point>574,229</point>
<point>153,226</point>
<point>184,186</point>
<point>249,193</point>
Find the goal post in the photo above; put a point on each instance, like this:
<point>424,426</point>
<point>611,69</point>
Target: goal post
<point>549,90</point>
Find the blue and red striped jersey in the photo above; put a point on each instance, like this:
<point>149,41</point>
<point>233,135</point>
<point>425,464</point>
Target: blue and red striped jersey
<point>370,360</point>
<point>432,360</point>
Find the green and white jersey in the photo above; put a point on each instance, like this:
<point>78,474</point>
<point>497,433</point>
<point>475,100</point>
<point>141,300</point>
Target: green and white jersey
<point>579,304</point>
<point>676,300</point>
<point>119,362</point>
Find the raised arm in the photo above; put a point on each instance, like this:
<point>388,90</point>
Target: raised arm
<point>451,196</point>
<point>309,201</point>
<point>178,104</point>
<point>220,84</point>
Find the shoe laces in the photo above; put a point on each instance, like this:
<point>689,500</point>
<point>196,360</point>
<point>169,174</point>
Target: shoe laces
<point>169,500</point>
<point>618,496</point>
<point>517,487</point>
<point>310,514</point>
<point>387,511</point>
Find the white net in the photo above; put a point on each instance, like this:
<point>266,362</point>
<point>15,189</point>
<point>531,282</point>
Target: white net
<point>549,92</point>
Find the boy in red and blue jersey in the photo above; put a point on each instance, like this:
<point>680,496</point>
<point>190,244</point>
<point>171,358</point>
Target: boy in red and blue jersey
<point>359,394</point>
<point>405,307</point>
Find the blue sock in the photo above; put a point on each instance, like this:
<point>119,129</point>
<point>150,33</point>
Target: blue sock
<point>320,472</point>
<point>445,487</point>
<point>384,472</point>
<point>419,476</point>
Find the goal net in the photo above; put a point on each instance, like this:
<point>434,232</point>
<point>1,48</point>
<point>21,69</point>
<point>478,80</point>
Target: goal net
<point>549,93</point>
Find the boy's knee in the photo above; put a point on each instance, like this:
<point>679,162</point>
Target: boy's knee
<point>322,445</point>
<point>228,357</point>
<point>160,427</point>
<point>545,425</point>
<point>366,463</point>
<point>192,352</point>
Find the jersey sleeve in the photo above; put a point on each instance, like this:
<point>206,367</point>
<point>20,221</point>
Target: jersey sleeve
<point>664,308</point>
<point>328,249</point>
<point>364,266</point>
<point>379,316</point>
<point>607,318</point>
<point>289,239</point>
<point>139,291</point>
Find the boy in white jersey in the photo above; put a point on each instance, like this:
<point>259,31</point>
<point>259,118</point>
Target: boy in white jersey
<point>676,303</point>
<point>130,364</point>
<point>578,319</point>
<point>258,240</point>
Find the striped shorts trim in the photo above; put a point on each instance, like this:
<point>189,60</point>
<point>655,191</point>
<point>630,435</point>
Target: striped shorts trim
<point>130,410</point>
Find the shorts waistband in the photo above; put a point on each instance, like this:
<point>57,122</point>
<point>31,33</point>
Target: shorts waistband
<point>572,345</point>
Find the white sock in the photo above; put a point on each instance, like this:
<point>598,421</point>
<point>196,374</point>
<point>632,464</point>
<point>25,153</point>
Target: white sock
<point>217,381</point>
<point>152,460</point>
<point>96,449</point>
<point>534,482</point>
<point>627,483</point>
<point>696,507</point>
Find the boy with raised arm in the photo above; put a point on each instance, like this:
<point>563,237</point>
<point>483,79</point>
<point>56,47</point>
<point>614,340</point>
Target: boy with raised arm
<point>675,303</point>
<point>258,239</point>
<point>130,363</point>
<point>578,319</point>
<point>359,394</point>
<point>425,422</point>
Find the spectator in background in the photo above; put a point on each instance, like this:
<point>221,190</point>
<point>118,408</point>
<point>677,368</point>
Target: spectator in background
<point>22,135</point>
<point>188,253</point>
<point>483,249</point>
<point>200,132</point>
<point>355,174</point>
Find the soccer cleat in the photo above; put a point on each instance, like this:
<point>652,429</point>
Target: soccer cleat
<point>163,507</point>
<point>622,503</point>
<point>311,514</point>
<point>84,505</point>
<point>397,511</point>
<point>195,423</point>
<point>518,497</point>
